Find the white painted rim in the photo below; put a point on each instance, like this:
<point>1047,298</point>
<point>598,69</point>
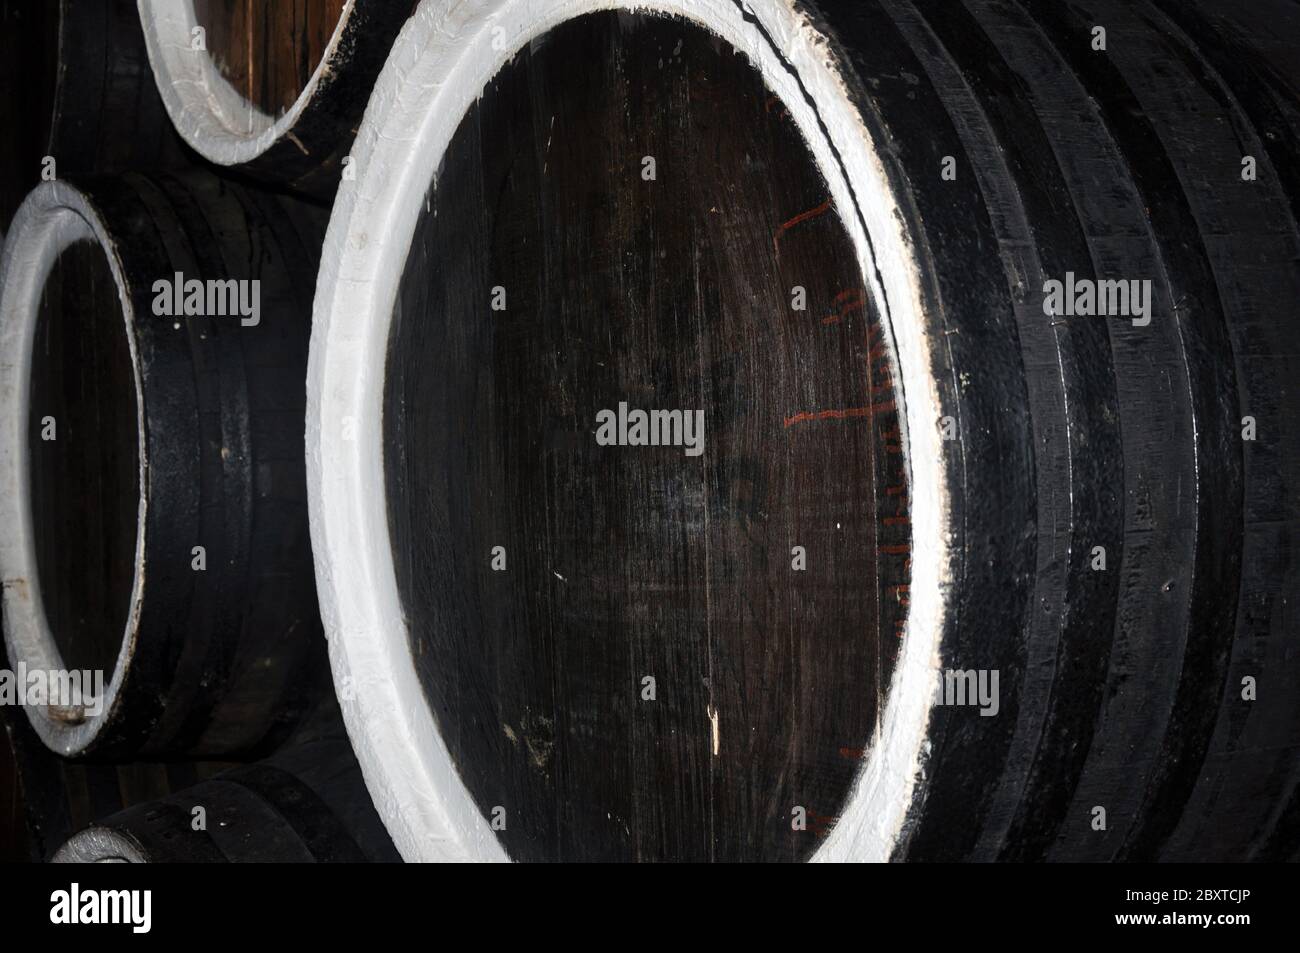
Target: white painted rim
<point>440,63</point>
<point>52,217</point>
<point>210,114</point>
<point>99,845</point>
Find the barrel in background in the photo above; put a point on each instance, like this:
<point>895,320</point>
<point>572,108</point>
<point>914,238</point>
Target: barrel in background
<point>306,804</point>
<point>275,90</point>
<point>56,797</point>
<point>153,462</point>
<point>268,52</point>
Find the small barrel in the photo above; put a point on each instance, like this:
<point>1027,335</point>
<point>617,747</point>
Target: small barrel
<point>51,798</point>
<point>308,804</point>
<point>158,571</point>
<point>275,88</point>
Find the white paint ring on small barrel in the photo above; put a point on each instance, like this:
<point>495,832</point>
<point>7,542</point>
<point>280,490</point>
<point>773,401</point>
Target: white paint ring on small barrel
<point>99,845</point>
<point>209,113</point>
<point>440,64</point>
<point>53,217</point>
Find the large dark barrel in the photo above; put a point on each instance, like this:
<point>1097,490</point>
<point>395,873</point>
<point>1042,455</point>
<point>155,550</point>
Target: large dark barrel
<point>153,343</point>
<point>81,94</point>
<point>307,804</point>
<point>275,88</point>
<point>836,430</point>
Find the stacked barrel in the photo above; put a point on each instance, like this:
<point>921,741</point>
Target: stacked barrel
<point>156,308</point>
<point>656,430</point>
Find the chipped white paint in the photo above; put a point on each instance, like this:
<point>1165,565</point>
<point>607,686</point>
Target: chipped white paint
<point>438,67</point>
<point>53,217</point>
<point>210,114</point>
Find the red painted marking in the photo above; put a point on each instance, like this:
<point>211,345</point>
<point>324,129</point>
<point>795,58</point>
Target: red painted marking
<point>820,824</point>
<point>856,754</point>
<point>840,414</point>
<point>899,549</point>
<point>847,302</point>
<point>900,490</point>
<point>897,520</point>
<point>798,220</point>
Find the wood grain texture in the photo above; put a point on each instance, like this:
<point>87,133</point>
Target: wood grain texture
<point>85,483</point>
<point>268,51</point>
<point>624,561</point>
<point>1122,163</point>
<point>283,73</point>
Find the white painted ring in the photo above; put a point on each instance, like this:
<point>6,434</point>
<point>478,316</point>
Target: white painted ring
<point>443,59</point>
<point>53,217</point>
<point>211,116</point>
<point>99,845</point>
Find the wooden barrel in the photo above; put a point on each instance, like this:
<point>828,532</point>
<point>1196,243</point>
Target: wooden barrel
<point>275,88</point>
<point>52,798</point>
<point>308,804</point>
<point>836,430</point>
<point>157,567</point>
<point>89,101</point>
